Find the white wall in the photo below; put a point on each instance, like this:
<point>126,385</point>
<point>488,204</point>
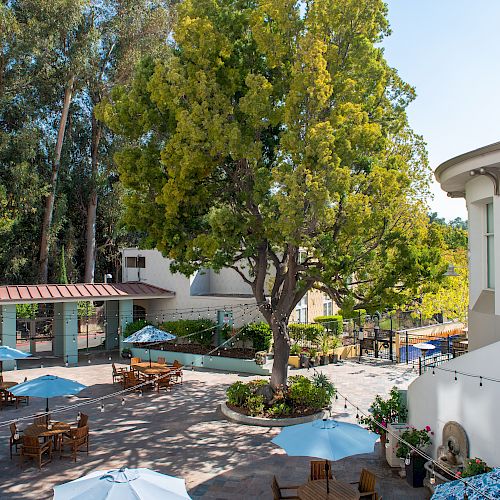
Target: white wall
<point>436,399</point>
<point>157,272</point>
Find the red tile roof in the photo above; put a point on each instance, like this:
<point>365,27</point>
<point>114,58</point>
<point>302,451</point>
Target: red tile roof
<point>18,294</point>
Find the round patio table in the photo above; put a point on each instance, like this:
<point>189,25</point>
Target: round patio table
<point>316,490</point>
<point>39,430</point>
<point>154,369</point>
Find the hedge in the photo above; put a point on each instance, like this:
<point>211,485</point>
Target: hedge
<point>331,323</point>
<point>309,332</point>
<point>259,333</point>
<point>182,327</point>
<point>134,326</point>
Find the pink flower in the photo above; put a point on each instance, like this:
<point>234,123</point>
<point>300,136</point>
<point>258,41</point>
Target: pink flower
<point>478,461</point>
<point>384,423</point>
<point>458,474</point>
<point>427,428</point>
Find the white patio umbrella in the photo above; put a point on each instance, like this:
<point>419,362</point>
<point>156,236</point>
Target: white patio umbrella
<point>123,484</point>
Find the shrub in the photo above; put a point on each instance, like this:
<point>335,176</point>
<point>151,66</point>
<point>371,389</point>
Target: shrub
<point>309,332</point>
<point>475,466</point>
<point>356,315</point>
<point>279,410</point>
<point>417,438</point>
<point>26,311</point>
<point>237,394</point>
<point>385,411</point>
<point>322,381</point>
<point>134,326</point>
<point>259,333</point>
<point>200,331</point>
<point>295,350</point>
<point>332,323</point>
<point>255,404</point>
<point>303,393</point>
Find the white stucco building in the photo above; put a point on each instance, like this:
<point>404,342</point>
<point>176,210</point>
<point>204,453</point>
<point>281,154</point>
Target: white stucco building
<point>460,390</point>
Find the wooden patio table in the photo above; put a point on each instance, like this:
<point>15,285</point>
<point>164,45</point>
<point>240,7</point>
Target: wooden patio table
<point>316,490</point>
<point>39,430</point>
<point>153,370</point>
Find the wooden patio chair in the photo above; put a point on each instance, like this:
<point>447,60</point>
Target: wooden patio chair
<point>17,400</point>
<point>163,381</point>
<point>366,484</point>
<point>84,419</point>
<point>277,491</point>
<point>78,440</point>
<point>32,448</point>
<point>130,379</point>
<point>177,371</point>
<point>15,438</point>
<point>134,361</point>
<point>318,470</point>
<point>117,373</point>
<point>41,419</point>
<point>162,360</point>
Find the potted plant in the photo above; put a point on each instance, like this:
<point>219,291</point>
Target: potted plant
<point>473,467</point>
<point>414,462</point>
<point>294,357</point>
<point>313,361</point>
<point>325,348</point>
<point>126,353</point>
<point>386,411</point>
<point>304,359</point>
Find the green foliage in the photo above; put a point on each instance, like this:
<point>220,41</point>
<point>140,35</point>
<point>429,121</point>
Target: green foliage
<point>280,410</point>
<point>417,438</point>
<point>322,381</point>
<point>357,315</point>
<point>238,393</point>
<point>263,135</point>
<point>475,466</point>
<point>87,309</point>
<point>310,332</point>
<point>134,326</point>
<point>200,331</point>
<point>26,311</point>
<point>303,393</point>
<point>295,350</point>
<point>63,276</point>
<point>259,333</point>
<point>331,323</point>
<point>385,411</point>
<point>255,404</point>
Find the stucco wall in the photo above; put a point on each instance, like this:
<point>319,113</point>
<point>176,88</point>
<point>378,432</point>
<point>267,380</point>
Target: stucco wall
<point>436,399</point>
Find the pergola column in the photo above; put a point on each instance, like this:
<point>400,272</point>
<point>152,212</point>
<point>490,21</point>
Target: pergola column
<point>8,331</point>
<point>126,316</point>
<point>65,328</point>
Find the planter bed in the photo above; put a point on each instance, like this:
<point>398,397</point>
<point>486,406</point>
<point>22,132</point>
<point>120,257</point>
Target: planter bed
<point>296,414</point>
<point>234,352</point>
<point>241,418</point>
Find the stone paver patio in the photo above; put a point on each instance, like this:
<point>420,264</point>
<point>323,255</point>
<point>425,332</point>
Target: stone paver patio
<point>182,433</point>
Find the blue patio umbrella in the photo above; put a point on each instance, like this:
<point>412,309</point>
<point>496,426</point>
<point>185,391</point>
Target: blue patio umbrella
<point>47,386</point>
<point>10,354</point>
<point>149,335</point>
<point>488,484</point>
<point>326,439</point>
<point>123,484</point>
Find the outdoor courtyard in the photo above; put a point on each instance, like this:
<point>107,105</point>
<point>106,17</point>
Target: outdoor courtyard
<point>182,433</point>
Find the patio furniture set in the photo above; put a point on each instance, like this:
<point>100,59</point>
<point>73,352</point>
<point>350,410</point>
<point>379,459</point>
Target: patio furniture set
<point>160,374</point>
<point>318,487</point>
<point>9,399</point>
<point>44,436</point>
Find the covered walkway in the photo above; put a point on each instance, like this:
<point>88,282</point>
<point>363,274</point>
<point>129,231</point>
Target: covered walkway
<point>118,299</point>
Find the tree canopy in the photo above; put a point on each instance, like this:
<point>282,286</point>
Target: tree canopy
<point>274,140</point>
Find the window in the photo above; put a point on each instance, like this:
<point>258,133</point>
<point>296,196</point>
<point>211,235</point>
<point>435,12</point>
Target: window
<point>327,306</point>
<point>490,247</point>
<point>136,262</point>
<point>301,310</point>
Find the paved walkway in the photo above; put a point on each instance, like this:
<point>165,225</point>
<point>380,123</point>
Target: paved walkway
<point>181,433</point>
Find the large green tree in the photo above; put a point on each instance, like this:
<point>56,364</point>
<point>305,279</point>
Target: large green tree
<point>274,141</point>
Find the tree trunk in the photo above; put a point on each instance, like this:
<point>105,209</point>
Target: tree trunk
<point>278,324</point>
<point>49,202</point>
<point>90,233</point>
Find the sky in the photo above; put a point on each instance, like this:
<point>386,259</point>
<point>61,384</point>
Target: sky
<point>449,50</point>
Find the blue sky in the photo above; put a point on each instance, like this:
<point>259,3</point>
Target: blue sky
<point>449,50</point>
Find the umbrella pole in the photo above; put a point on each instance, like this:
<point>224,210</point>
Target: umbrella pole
<point>47,411</point>
<point>327,467</point>
<point>149,356</point>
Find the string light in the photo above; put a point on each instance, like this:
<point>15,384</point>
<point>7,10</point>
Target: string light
<point>102,407</point>
<point>480,381</point>
<point>123,401</point>
<point>456,376</point>
<point>408,459</point>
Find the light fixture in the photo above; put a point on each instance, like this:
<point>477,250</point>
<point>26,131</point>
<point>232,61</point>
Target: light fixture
<point>480,381</point>
<point>123,401</point>
<point>102,407</point>
<point>455,376</point>
<point>408,459</point>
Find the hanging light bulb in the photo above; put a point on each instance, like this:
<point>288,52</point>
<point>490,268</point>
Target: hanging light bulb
<point>345,404</point>
<point>109,358</point>
<point>455,376</point>
<point>79,416</point>
<point>66,364</point>
<point>357,414</point>
<point>102,407</point>
<point>387,444</point>
<point>15,367</point>
<point>141,393</point>
<point>123,401</point>
<point>432,479</point>
<point>408,459</point>
<point>480,381</point>
<point>433,372</point>
<point>41,365</point>
<point>89,361</point>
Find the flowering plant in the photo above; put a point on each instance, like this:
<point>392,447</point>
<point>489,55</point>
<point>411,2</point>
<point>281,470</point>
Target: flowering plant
<point>475,466</point>
<point>418,438</point>
<point>385,411</point>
